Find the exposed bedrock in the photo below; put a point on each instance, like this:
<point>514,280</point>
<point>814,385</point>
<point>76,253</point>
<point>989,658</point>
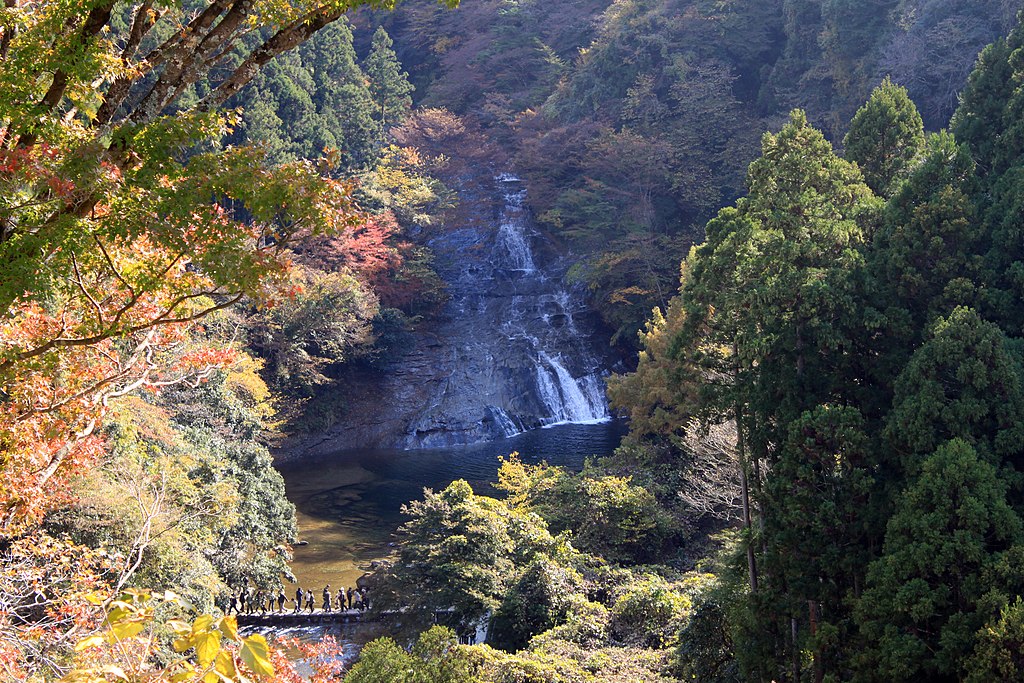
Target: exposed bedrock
<point>514,349</point>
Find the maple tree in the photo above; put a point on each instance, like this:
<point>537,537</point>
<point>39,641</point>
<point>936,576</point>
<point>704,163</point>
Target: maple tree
<point>123,222</point>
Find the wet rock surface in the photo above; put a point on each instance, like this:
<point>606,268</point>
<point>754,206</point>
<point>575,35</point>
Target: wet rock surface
<point>513,350</point>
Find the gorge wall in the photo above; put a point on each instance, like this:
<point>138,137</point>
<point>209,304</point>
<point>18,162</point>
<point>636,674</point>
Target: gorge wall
<point>513,350</point>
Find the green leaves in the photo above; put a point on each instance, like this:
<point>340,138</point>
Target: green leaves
<point>773,292</point>
<point>209,645</point>
<point>214,642</point>
<point>460,552</point>
<point>963,383</point>
<point>885,137</point>
<point>935,582</point>
<point>389,85</point>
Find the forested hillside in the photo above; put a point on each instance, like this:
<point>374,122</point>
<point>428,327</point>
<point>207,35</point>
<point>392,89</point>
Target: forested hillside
<point>175,270</point>
<point>214,214</point>
<point>634,121</point>
<point>839,378</point>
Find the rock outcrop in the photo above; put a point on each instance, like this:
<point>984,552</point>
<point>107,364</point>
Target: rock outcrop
<point>512,351</point>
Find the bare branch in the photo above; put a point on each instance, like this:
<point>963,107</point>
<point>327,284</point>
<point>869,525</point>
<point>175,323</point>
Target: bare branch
<point>113,268</point>
<point>81,286</point>
<point>713,479</point>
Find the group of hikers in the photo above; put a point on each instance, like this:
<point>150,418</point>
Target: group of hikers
<point>249,601</point>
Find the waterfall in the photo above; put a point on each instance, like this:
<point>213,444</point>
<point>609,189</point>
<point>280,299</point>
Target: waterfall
<point>511,351</point>
<point>511,237</point>
<point>508,426</point>
<point>563,395</point>
<point>569,399</point>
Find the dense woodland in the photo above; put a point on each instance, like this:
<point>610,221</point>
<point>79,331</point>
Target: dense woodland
<point>211,211</point>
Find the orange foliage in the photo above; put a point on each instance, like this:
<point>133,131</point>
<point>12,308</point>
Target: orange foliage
<point>366,249</point>
<point>104,304</point>
<point>44,584</point>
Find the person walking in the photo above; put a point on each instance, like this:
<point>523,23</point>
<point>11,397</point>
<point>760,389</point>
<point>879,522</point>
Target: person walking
<point>310,601</point>
<point>281,599</point>
<point>341,599</point>
<point>298,598</point>
<point>327,598</point>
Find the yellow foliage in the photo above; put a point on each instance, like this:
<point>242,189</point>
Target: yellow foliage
<point>522,481</point>
<point>208,648</point>
<point>244,381</point>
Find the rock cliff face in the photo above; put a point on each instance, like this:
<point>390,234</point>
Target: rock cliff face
<point>512,351</point>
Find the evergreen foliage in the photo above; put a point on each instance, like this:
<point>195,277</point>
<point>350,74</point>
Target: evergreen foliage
<point>964,382</point>
<point>434,658</point>
<point>885,137</point>
<point>868,351</point>
<point>389,85</point>
<point>926,255</point>
<point>997,656</point>
<point>949,563</point>
<point>538,601</point>
<point>310,101</point>
<point>461,551</point>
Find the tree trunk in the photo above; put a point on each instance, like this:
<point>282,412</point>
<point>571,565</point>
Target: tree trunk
<point>745,492</point>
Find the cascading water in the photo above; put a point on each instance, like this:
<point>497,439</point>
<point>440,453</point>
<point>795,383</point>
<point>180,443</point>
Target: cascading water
<point>512,351</point>
<point>566,397</point>
<point>511,236</point>
<point>523,363</point>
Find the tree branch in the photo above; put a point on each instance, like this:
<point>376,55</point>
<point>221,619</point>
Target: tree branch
<point>145,19</point>
<point>287,38</point>
<point>178,56</point>
<point>97,18</point>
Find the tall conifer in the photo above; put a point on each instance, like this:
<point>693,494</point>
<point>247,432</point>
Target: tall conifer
<point>341,96</point>
<point>885,136</point>
<point>774,312</point>
<point>990,121</point>
<point>948,566</point>
<point>389,85</point>
<point>926,256</point>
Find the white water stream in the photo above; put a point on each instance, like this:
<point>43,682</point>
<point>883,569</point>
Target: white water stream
<point>568,398</point>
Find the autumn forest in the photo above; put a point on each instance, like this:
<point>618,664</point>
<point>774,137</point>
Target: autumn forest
<point>778,245</point>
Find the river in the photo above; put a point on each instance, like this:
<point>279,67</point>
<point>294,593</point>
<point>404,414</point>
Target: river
<point>348,504</point>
